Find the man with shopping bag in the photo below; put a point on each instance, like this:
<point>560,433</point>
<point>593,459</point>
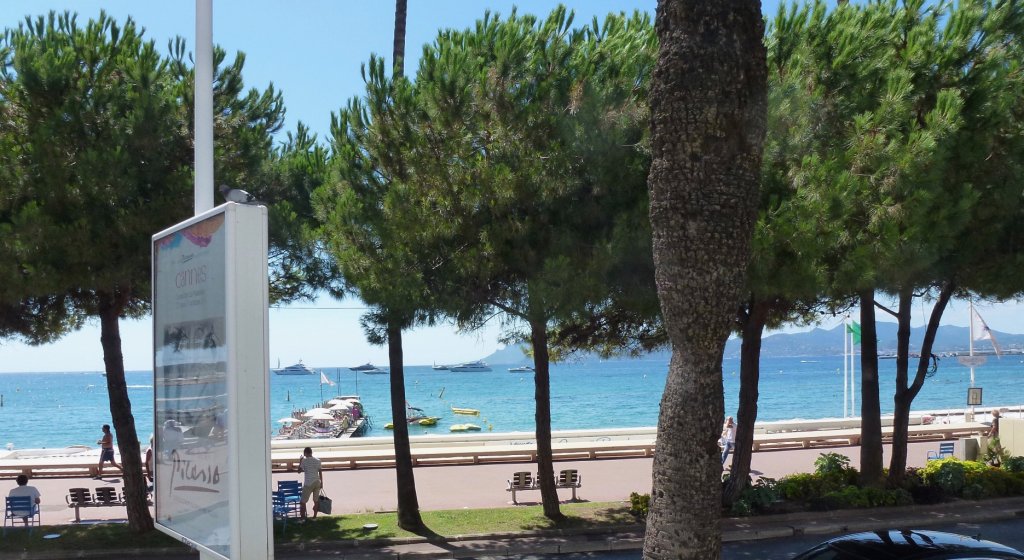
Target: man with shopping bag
<point>312,484</point>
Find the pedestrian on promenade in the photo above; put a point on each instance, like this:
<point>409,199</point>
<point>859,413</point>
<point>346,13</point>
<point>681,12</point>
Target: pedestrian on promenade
<point>313,482</point>
<point>106,444</point>
<point>994,430</point>
<point>728,438</point>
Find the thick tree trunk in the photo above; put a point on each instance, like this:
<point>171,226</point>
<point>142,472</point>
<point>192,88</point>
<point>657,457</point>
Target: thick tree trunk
<point>905,395</point>
<point>408,504</point>
<point>870,410</point>
<point>708,102</point>
<point>901,404</point>
<point>542,395</point>
<point>746,414</point>
<point>110,307</point>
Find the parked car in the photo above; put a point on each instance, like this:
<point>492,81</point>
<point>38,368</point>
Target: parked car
<point>908,545</point>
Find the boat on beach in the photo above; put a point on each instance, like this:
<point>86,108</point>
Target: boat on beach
<point>471,366</point>
<point>295,369</point>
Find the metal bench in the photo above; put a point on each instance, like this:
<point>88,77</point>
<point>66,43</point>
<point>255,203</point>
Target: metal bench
<point>520,481</point>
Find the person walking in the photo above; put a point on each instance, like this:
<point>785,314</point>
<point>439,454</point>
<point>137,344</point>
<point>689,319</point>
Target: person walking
<point>313,482</point>
<point>106,444</point>
<point>728,438</point>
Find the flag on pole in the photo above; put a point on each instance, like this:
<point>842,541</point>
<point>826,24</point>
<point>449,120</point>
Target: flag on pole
<point>324,380</point>
<point>854,329</point>
<point>982,332</point>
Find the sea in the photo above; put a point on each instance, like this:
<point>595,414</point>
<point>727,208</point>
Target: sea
<point>47,410</point>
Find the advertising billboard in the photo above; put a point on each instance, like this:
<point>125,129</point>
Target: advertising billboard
<point>211,397</point>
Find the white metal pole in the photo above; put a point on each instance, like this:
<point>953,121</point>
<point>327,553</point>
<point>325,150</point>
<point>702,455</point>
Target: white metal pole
<point>970,343</point>
<point>853,377</point>
<point>846,370</point>
<point>204,107</point>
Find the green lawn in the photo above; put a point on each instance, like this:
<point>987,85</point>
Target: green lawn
<point>323,529</point>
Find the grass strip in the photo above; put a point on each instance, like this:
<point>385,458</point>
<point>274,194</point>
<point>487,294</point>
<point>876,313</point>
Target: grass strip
<point>325,529</point>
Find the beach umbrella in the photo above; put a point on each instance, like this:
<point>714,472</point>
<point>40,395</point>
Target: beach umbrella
<point>337,401</point>
<point>344,405</point>
<point>288,420</point>
<point>321,416</point>
<point>315,411</point>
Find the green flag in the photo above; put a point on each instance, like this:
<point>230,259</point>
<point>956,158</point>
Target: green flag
<point>854,327</point>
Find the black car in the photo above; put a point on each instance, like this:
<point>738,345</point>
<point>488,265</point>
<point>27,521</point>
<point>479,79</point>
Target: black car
<point>908,545</point>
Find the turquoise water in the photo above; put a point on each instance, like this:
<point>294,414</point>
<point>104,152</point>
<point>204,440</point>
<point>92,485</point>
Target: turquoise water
<point>58,409</point>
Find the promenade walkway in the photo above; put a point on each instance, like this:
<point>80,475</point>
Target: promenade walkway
<point>467,486</point>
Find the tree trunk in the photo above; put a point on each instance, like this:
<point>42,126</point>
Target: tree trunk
<point>408,504</point>
<point>870,410</point>
<point>110,307</point>
<point>708,102</point>
<point>398,52</point>
<point>542,395</point>
<point>905,395</point>
<point>750,373</point>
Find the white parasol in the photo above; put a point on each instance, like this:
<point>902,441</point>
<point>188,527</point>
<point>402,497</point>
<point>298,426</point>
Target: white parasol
<point>315,411</point>
<point>321,416</point>
<point>288,420</point>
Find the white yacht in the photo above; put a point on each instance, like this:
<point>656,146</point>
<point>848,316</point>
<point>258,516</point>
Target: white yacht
<point>295,369</point>
<point>471,366</point>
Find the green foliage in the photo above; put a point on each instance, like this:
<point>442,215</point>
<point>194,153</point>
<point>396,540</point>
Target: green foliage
<point>801,487</point>
<point>948,474</point>
<point>757,497</point>
<point>835,468</point>
<point>995,454</point>
<point>639,504</point>
<point>1014,464</point>
<point>854,497</point>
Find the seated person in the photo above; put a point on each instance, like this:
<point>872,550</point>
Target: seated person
<point>23,489</point>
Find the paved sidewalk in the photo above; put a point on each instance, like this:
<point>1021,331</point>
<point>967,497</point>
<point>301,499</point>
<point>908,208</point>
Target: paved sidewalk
<point>605,480</point>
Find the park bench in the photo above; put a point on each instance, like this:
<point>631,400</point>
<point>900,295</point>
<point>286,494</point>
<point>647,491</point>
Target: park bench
<point>104,496</point>
<point>523,480</point>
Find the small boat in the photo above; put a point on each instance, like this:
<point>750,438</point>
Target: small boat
<point>365,367</point>
<point>428,421</point>
<point>466,411</point>
<point>374,371</point>
<point>465,428</point>
<point>471,366</point>
<point>295,369</point>
<point>520,369</point>
<point>440,367</point>
<point>389,426</point>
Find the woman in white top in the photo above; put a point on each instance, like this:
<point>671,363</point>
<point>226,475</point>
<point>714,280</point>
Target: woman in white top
<point>728,438</point>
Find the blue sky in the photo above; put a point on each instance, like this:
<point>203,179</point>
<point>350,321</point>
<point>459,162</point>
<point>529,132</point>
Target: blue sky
<point>312,51</point>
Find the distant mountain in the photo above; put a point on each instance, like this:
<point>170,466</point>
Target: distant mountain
<point>824,342</point>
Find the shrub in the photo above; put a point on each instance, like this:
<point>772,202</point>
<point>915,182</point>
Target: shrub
<point>1014,464</point>
<point>639,504</point>
<point>756,497</point>
<point>994,483</point>
<point>948,474</point>
<point>995,455</point>
<point>835,469</point>
<point>800,487</point>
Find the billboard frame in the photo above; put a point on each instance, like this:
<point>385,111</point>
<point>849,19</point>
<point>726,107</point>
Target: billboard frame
<point>241,295</point>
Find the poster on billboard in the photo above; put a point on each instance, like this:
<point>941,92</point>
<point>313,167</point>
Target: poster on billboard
<point>209,330</point>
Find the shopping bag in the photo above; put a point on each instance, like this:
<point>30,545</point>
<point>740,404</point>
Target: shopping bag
<point>324,504</point>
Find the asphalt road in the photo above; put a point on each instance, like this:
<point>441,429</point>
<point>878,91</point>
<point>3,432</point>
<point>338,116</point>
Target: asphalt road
<point>1007,532</point>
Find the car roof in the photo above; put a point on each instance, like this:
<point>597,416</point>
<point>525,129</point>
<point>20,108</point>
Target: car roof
<point>913,544</point>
